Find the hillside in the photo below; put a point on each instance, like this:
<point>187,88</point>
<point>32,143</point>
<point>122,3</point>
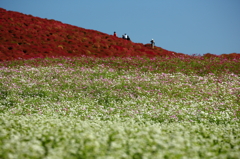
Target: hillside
<point>25,36</point>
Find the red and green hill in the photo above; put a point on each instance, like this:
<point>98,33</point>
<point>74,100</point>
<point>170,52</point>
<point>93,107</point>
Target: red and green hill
<point>25,36</point>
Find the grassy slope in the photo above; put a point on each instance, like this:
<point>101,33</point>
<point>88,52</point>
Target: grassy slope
<point>25,36</point>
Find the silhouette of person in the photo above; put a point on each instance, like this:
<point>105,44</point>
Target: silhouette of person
<point>125,36</point>
<point>115,34</point>
<point>152,43</point>
<point>128,38</point>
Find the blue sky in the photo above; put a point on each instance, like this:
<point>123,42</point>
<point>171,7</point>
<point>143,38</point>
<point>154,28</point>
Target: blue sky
<point>185,26</point>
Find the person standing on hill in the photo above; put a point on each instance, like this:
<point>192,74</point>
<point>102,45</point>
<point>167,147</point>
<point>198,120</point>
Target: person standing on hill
<point>125,36</point>
<point>152,43</point>
<point>128,38</point>
<point>115,34</point>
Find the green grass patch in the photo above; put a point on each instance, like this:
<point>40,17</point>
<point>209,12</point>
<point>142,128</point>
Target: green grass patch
<point>119,108</point>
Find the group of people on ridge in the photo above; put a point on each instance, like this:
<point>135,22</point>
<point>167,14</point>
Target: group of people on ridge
<point>125,36</point>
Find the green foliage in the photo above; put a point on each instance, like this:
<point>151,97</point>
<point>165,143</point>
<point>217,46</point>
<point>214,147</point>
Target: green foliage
<point>118,108</point>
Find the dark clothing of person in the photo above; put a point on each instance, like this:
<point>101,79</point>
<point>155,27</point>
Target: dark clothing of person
<point>152,43</point>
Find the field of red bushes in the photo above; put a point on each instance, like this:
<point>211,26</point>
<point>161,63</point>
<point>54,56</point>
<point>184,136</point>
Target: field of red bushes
<point>25,36</point>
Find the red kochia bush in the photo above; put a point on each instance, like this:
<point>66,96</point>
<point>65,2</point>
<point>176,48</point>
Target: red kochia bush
<point>25,36</point>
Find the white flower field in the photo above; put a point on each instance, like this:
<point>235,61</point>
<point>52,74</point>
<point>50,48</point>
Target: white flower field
<point>126,108</point>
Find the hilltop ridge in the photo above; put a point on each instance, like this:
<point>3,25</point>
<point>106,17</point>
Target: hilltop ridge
<point>25,36</point>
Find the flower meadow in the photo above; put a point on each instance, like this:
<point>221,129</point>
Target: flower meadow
<point>132,107</point>
<point>68,93</point>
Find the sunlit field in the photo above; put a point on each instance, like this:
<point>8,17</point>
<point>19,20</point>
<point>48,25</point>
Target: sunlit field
<point>102,108</point>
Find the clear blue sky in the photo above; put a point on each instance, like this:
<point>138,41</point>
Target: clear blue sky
<point>185,26</point>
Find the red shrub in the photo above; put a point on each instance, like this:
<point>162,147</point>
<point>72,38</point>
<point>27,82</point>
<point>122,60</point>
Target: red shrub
<point>26,36</point>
